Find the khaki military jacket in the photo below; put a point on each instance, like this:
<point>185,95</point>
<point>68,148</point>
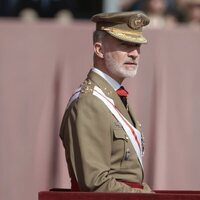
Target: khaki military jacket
<point>99,154</point>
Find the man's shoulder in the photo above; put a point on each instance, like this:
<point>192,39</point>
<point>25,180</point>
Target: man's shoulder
<point>84,95</point>
<point>87,87</point>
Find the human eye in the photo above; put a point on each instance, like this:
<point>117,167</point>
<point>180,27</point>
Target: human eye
<point>137,45</point>
<point>126,44</point>
<point>123,44</point>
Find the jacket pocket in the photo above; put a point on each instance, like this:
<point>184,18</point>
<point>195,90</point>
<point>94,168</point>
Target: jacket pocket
<point>119,134</point>
<point>119,146</point>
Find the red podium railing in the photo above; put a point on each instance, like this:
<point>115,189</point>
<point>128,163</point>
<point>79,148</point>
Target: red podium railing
<point>158,195</point>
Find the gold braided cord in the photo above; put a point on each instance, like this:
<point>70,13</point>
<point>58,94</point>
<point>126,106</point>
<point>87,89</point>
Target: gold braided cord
<point>120,32</point>
<point>128,36</point>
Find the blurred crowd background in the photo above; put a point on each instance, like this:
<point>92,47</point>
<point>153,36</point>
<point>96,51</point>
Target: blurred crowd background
<point>163,13</point>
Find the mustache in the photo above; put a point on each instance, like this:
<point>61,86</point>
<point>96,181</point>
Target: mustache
<point>132,61</point>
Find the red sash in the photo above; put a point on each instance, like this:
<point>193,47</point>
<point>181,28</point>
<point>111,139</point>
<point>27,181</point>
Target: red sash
<point>75,187</point>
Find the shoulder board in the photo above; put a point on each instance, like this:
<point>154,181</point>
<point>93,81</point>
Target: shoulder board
<point>87,86</point>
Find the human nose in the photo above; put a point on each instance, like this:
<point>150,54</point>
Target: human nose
<point>134,52</point>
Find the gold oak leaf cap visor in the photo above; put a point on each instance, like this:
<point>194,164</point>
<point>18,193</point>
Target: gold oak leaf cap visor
<point>126,26</point>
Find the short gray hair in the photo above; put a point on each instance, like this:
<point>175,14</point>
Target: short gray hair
<point>98,36</point>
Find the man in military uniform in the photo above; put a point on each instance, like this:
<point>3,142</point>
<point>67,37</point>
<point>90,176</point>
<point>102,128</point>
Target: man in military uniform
<point>101,136</point>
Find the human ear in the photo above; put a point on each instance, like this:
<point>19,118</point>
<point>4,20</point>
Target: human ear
<point>98,49</point>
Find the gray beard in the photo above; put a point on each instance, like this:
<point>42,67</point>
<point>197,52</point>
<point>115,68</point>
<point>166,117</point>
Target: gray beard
<point>117,69</point>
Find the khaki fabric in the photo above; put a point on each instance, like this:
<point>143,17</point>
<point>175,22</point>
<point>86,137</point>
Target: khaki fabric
<point>95,143</point>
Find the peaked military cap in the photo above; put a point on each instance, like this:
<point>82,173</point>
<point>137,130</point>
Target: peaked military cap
<point>125,26</point>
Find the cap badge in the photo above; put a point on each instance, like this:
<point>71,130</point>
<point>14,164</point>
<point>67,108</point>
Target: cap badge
<point>136,22</point>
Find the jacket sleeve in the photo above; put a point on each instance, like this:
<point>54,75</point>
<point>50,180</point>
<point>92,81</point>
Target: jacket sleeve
<point>88,137</point>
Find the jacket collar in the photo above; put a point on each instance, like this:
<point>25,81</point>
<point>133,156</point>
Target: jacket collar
<point>109,91</point>
<point>109,79</point>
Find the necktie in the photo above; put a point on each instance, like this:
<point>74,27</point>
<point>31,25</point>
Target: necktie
<point>123,95</point>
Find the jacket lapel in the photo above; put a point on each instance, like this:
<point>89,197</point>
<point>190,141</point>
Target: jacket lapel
<point>133,118</point>
<point>109,92</point>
